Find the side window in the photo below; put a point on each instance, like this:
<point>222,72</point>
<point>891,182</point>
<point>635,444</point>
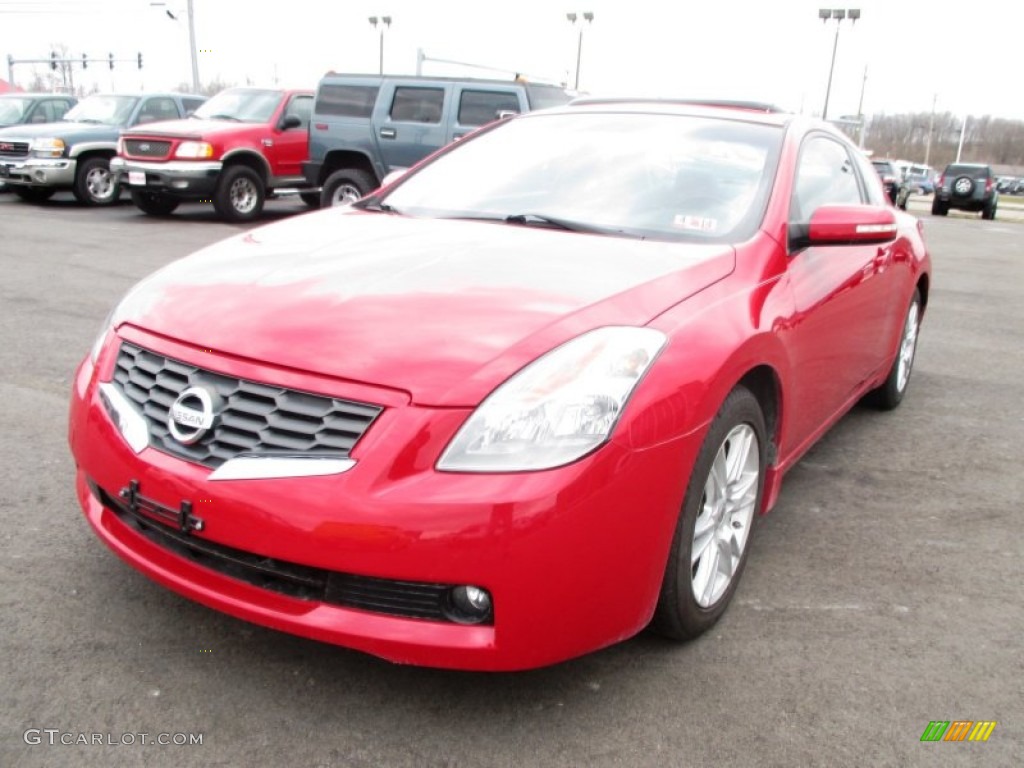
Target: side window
<point>44,113</point>
<point>60,107</point>
<point>157,108</point>
<point>873,191</point>
<point>191,105</point>
<point>346,100</point>
<point>300,107</point>
<point>417,105</point>
<point>824,176</point>
<point>482,107</point>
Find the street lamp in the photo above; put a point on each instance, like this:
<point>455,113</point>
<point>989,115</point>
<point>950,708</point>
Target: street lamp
<point>574,19</point>
<point>838,14</point>
<point>191,39</point>
<point>383,21</point>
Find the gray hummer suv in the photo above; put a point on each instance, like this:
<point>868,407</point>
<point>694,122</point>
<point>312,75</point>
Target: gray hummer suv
<point>966,187</point>
<point>365,126</point>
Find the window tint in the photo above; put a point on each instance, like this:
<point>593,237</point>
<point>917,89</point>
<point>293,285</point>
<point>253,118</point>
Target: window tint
<point>482,107</point>
<point>158,108</point>
<point>300,107</point>
<point>825,176</point>
<point>873,192</point>
<point>48,112</point>
<point>346,100</point>
<point>417,105</point>
<point>191,105</point>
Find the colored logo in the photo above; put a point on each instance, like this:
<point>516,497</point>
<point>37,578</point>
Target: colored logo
<point>958,730</point>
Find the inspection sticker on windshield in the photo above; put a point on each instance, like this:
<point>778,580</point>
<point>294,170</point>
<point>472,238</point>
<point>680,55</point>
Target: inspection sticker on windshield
<point>137,178</point>
<point>698,223</point>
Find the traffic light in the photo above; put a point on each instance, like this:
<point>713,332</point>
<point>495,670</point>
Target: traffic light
<point>110,60</point>
<point>53,59</point>
<point>85,61</point>
<point>140,60</point>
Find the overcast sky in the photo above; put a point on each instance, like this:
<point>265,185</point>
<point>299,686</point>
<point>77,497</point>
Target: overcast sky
<point>965,55</point>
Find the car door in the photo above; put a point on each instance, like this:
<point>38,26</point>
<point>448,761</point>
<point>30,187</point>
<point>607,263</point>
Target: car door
<point>288,147</point>
<point>415,124</point>
<point>841,293</point>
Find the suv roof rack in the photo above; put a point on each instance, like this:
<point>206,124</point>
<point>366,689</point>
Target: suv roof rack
<point>746,106</point>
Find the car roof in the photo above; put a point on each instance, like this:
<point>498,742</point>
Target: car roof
<point>25,95</point>
<point>755,112</point>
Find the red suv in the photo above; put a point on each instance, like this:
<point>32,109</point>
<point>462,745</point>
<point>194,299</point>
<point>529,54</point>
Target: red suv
<point>240,147</point>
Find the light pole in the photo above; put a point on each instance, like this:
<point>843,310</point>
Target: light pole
<point>574,19</point>
<point>838,14</point>
<point>383,21</point>
<point>191,39</point>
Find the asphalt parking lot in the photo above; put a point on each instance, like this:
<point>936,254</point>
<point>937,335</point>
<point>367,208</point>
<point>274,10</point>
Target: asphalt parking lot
<point>885,591</point>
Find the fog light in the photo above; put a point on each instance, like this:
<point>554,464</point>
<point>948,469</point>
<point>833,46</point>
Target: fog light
<point>40,176</point>
<point>469,605</point>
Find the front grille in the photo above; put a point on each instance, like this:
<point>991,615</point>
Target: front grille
<point>146,148</point>
<point>409,599</point>
<point>251,418</point>
<point>15,149</point>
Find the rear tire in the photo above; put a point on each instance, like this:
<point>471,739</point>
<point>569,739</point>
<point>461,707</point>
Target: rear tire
<point>346,186</point>
<point>712,536</point>
<point>989,211</point>
<point>939,208</point>
<point>240,194</point>
<point>32,194</point>
<point>153,203</point>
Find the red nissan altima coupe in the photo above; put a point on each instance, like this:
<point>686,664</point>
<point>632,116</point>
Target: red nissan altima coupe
<point>517,405</point>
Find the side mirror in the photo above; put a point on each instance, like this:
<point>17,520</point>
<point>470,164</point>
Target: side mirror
<point>845,225</point>
<point>290,121</point>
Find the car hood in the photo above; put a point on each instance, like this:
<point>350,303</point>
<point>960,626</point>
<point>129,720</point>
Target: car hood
<point>442,309</point>
<point>191,128</point>
<point>63,129</point>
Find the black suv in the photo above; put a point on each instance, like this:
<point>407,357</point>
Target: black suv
<point>891,176</point>
<point>966,187</point>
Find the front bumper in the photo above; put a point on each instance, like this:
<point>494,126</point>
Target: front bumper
<point>183,179</point>
<point>573,557</point>
<point>38,172</point>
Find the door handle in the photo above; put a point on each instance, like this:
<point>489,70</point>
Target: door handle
<point>388,133</point>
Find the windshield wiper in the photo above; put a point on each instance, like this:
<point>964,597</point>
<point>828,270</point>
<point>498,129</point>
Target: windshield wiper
<point>90,120</point>
<point>376,205</point>
<point>543,220</point>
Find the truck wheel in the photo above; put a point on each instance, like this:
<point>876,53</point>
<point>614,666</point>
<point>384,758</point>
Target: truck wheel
<point>33,194</point>
<point>95,184</point>
<point>240,194</point>
<point>312,199</point>
<point>345,186</point>
<point>154,203</point>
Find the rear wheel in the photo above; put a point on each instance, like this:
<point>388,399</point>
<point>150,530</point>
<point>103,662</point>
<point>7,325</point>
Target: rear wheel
<point>154,203</point>
<point>709,549</point>
<point>939,208</point>
<point>890,394</point>
<point>345,186</point>
<point>94,183</point>
<point>32,194</point>
<point>989,211</point>
<point>240,194</point>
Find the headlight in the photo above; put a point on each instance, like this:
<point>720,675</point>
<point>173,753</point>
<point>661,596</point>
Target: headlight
<point>97,346</point>
<point>47,147</point>
<point>194,150</point>
<point>558,408</point>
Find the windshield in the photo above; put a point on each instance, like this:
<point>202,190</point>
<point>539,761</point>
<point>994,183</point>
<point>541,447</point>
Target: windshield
<point>245,105</point>
<point>636,175</point>
<point>13,110</point>
<point>109,110</point>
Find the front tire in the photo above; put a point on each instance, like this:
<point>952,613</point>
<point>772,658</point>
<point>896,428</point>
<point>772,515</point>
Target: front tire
<point>890,394</point>
<point>153,203</point>
<point>722,500</point>
<point>345,186</point>
<point>240,194</point>
<point>311,199</point>
<point>95,184</point>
